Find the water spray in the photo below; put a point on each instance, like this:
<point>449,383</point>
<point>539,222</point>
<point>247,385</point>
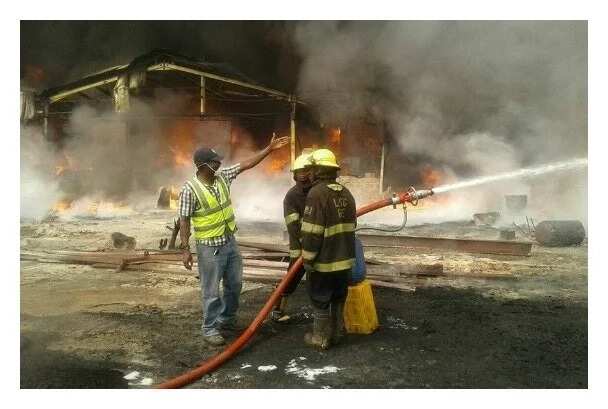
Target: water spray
<point>517,174</point>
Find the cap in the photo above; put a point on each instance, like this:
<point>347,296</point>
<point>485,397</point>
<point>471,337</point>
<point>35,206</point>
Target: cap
<point>206,155</point>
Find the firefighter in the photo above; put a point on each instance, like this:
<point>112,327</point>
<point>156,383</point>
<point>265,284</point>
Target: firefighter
<point>328,248</point>
<point>205,202</point>
<point>293,209</point>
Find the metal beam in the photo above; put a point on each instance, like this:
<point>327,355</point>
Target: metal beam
<point>500,247</point>
<point>203,97</point>
<point>292,134</point>
<point>169,66</point>
<point>61,95</point>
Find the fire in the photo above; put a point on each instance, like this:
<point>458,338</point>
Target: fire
<point>335,136</point>
<point>65,163</point>
<point>277,162</point>
<point>431,177</point>
<point>334,140</point>
<point>61,206</point>
<point>90,208</point>
<point>180,159</point>
<point>180,140</point>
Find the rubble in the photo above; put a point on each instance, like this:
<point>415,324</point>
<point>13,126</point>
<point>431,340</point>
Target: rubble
<point>560,233</point>
<point>485,219</point>
<point>120,241</point>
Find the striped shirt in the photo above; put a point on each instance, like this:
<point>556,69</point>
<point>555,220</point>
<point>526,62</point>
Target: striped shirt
<point>188,203</point>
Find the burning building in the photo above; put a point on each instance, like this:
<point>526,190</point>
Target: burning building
<point>133,128</point>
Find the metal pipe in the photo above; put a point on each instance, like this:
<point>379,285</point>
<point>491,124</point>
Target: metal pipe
<point>232,349</point>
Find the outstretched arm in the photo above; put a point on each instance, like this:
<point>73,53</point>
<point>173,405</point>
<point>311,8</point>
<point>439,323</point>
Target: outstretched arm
<point>275,143</point>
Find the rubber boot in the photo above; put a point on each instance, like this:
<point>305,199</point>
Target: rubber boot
<point>336,310</point>
<point>321,330</point>
<point>279,313</point>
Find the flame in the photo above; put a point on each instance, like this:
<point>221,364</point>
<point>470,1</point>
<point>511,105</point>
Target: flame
<point>62,206</point>
<point>180,140</point>
<point>335,136</point>
<point>277,162</point>
<point>91,208</point>
<point>431,177</point>
<point>180,158</point>
<point>65,163</point>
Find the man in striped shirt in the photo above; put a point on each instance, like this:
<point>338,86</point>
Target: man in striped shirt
<point>205,203</point>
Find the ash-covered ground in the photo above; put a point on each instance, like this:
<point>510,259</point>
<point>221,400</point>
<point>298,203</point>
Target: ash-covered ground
<point>85,327</point>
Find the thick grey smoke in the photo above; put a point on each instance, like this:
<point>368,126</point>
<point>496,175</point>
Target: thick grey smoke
<point>118,162</point>
<point>39,189</point>
<point>473,98</point>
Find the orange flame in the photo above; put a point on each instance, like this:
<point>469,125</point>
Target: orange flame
<point>180,138</point>
<point>62,206</point>
<point>277,162</point>
<point>431,177</point>
<point>335,136</point>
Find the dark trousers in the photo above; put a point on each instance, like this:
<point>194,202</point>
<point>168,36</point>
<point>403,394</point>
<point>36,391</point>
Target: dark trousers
<point>323,288</point>
<point>296,280</point>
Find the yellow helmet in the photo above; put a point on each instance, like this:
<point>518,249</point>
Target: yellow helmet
<point>301,162</point>
<point>324,157</point>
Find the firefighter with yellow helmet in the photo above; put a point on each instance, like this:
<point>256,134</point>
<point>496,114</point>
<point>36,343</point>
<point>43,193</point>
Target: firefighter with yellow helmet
<point>328,248</point>
<point>293,209</point>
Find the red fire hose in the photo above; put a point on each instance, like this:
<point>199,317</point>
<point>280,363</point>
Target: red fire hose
<point>215,362</point>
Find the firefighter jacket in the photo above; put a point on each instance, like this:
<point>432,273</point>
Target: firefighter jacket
<point>328,228</point>
<point>293,209</point>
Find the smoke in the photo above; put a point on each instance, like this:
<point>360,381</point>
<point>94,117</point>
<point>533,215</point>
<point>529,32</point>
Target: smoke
<point>110,164</point>
<point>69,50</point>
<point>39,189</point>
<point>472,98</point>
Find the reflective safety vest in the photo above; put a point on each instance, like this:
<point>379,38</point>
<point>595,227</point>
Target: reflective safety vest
<point>213,216</point>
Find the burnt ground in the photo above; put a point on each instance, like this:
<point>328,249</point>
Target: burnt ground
<point>89,328</point>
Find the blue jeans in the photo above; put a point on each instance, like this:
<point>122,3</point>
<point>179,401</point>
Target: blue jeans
<point>217,263</point>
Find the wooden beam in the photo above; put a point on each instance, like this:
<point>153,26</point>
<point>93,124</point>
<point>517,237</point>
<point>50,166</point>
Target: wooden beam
<point>500,247</point>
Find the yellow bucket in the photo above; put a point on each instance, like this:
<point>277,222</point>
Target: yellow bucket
<point>359,309</point>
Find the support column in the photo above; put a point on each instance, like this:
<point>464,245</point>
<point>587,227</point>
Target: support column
<point>45,121</point>
<point>381,187</point>
<point>292,139</point>
<point>202,95</point>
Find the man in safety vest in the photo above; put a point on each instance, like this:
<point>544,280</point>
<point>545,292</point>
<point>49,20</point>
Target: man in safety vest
<point>328,248</point>
<point>293,209</point>
<point>205,203</point>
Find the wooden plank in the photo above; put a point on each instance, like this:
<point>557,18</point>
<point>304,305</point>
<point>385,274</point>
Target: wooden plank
<point>282,248</point>
<point>500,247</point>
<point>418,269</point>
